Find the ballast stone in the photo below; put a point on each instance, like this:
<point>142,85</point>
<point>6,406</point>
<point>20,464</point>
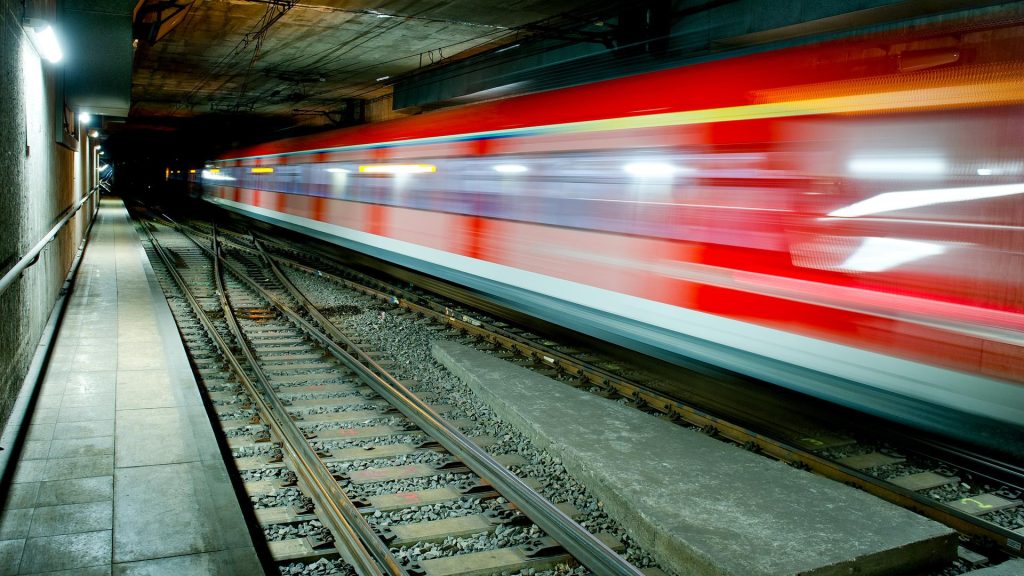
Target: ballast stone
<point>701,506</point>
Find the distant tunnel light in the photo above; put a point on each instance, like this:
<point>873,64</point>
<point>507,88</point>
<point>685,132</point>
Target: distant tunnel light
<point>650,169</point>
<point>879,254</point>
<point>43,37</point>
<point>897,166</point>
<point>510,168</point>
<point>889,201</point>
<point>397,168</point>
<point>262,170</point>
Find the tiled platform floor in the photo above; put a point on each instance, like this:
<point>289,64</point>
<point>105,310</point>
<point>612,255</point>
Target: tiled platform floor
<point>121,472</point>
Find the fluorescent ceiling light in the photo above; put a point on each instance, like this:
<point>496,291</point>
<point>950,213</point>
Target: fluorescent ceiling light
<point>42,36</point>
<point>383,78</point>
<point>397,168</point>
<point>878,254</point>
<point>510,168</point>
<point>897,166</point>
<point>337,170</point>
<point>650,169</point>
<point>890,201</point>
<point>984,171</point>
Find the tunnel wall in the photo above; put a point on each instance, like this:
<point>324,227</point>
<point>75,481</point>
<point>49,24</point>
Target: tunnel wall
<point>39,180</point>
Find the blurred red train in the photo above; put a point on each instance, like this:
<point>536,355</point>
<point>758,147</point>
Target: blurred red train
<point>844,218</point>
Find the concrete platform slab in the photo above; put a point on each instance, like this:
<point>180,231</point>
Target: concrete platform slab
<point>699,505</point>
<point>121,470</point>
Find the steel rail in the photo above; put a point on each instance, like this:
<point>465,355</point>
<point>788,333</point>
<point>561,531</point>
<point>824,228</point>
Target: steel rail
<point>364,547</point>
<point>324,490</point>
<point>1008,540</point>
<point>32,256</point>
<point>583,545</point>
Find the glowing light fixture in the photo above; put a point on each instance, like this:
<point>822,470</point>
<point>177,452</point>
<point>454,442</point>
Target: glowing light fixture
<point>42,36</point>
<point>101,167</point>
<point>510,168</point>
<point>383,78</point>
<point>84,117</point>
<point>650,169</point>
<point>338,170</point>
<point>878,254</point>
<point>897,166</point>
<point>889,201</point>
<point>94,133</point>
<point>262,170</point>
<point>984,171</point>
<point>397,168</point>
<point>192,171</point>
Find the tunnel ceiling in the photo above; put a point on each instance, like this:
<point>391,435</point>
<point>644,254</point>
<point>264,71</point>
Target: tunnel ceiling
<point>215,74</point>
<point>309,60</point>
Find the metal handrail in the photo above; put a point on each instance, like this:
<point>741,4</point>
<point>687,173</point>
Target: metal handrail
<point>32,256</point>
<point>21,412</point>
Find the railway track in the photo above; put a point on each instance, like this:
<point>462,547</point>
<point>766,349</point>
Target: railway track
<point>980,497</point>
<point>335,450</point>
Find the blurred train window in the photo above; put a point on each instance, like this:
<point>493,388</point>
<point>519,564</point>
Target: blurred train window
<point>722,197</point>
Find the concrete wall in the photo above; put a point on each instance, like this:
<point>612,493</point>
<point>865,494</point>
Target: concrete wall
<point>39,180</point>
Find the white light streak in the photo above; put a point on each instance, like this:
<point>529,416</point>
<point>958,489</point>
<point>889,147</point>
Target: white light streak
<point>338,170</point>
<point>890,201</point>
<point>875,167</point>
<point>211,175</point>
<point>878,254</point>
<point>650,169</point>
<point>510,168</point>
<point>984,171</point>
